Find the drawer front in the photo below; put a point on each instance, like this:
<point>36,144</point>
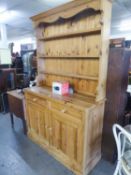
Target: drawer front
<point>68,109</point>
<point>37,100</point>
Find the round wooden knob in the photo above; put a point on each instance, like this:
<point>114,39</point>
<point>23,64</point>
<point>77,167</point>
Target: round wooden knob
<point>46,126</point>
<point>63,110</point>
<point>34,99</point>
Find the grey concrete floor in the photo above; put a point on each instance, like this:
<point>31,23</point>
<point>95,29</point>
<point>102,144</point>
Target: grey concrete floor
<point>20,156</point>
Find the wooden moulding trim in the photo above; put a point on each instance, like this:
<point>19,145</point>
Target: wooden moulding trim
<point>71,75</point>
<point>73,34</point>
<point>64,17</point>
<point>66,57</point>
<point>65,7</point>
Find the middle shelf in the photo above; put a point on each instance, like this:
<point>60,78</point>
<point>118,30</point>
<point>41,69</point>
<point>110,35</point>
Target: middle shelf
<point>97,30</point>
<point>67,57</point>
<point>70,75</point>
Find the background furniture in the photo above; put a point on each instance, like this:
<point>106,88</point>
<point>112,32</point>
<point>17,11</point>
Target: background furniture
<point>7,79</point>
<point>123,142</point>
<point>7,82</point>
<point>16,107</point>
<point>117,81</point>
<point>72,46</point>
<point>18,64</point>
<point>26,69</point>
<point>27,62</point>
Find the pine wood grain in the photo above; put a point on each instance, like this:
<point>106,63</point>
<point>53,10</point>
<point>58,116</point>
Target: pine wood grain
<point>72,46</point>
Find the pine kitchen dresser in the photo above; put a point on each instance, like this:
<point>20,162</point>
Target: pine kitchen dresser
<point>72,45</point>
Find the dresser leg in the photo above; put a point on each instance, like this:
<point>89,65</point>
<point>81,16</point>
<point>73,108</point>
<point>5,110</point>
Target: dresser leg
<point>12,119</point>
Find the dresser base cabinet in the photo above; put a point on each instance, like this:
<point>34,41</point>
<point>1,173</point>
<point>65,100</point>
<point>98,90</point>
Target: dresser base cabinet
<point>72,137</point>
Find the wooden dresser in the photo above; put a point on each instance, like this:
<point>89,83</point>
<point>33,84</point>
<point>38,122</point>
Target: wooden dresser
<point>72,45</point>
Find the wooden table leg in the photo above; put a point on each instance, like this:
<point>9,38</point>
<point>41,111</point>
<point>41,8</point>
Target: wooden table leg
<point>12,119</point>
<point>24,125</point>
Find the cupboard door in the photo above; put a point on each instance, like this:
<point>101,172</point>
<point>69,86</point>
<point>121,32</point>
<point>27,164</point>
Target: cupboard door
<point>66,137</point>
<point>43,124</point>
<point>32,117</point>
<point>38,122</point>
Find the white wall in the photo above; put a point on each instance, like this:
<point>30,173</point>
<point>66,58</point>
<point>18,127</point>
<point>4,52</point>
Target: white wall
<point>18,42</point>
<point>3,45</point>
<point>125,35</point>
<point>3,33</point>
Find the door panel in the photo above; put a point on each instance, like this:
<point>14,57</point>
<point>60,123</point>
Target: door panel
<point>38,121</point>
<point>66,136</point>
<point>33,115</point>
<point>71,142</point>
<point>47,124</point>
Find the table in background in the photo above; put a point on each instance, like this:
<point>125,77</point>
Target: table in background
<point>16,107</point>
<point>7,82</point>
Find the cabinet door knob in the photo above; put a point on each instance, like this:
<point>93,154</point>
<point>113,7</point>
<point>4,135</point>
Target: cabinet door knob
<point>50,129</point>
<point>34,99</point>
<point>46,126</point>
<point>63,110</point>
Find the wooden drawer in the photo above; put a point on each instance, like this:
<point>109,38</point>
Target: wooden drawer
<point>68,109</point>
<point>37,100</point>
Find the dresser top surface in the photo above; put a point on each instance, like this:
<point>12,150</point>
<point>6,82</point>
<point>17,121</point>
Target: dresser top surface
<point>76,99</point>
<point>16,93</point>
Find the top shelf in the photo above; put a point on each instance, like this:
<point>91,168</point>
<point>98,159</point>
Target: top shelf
<point>72,34</point>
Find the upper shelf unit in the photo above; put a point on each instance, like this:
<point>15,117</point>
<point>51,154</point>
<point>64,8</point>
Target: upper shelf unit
<point>72,45</point>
